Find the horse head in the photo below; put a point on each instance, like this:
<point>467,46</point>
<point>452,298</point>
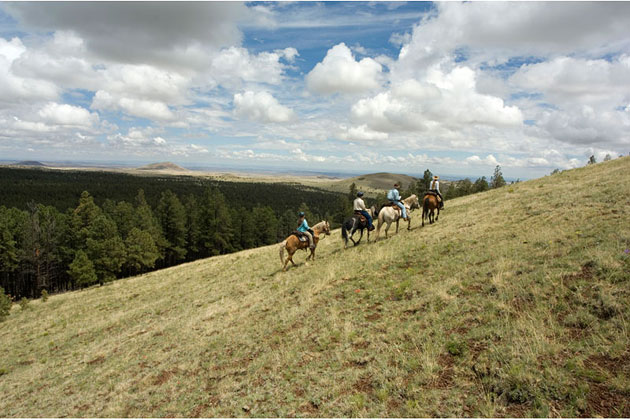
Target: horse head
<point>412,202</point>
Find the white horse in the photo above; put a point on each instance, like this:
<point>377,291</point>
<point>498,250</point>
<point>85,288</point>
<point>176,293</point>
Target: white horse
<point>389,214</point>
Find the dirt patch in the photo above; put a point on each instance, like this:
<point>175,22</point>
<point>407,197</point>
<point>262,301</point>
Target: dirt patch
<point>445,378</point>
<point>364,384</point>
<point>373,317</point>
<point>586,273</point>
<point>97,361</point>
<point>603,402</point>
<point>516,410</point>
<point>363,344</point>
<point>309,408</point>
<point>164,376</point>
<point>298,391</point>
<point>201,408</point>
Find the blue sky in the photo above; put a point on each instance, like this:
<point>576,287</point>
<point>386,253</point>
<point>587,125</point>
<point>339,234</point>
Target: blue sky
<point>352,87</point>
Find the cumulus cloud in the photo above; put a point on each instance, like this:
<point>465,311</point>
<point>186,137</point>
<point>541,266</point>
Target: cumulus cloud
<point>261,106</point>
<point>15,88</point>
<point>444,100</point>
<point>234,66</point>
<point>68,115</point>
<point>339,72</point>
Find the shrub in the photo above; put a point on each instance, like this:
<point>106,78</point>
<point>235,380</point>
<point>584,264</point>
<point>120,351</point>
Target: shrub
<point>24,303</point>
<point>44,295</point>
<point>456,348</point>
<point>5,305</point>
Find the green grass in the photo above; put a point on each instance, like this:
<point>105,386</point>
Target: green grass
<point>515,303</point>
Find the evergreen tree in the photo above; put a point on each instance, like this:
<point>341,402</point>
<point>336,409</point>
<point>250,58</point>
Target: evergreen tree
<point>105,249</point>
<point>141,251</point>
<point>85,214</point>
<point>82,270</point>
<point>172,217</point>
<point>480,185</point>
<point>425,182</point>
<point>215,223</point>
<point>8,244</point>
<point>5,305</point>
<point>286,224</point>
<point>124,215</point>
<point>245,227</point>
<point>497,180</point>
<point>352,194</point>
<point>192,227</point>
<point>145,220</point>
<point>266,225</point>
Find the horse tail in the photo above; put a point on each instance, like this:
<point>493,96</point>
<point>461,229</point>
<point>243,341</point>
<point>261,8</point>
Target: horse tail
<point>425,206</point>
<point>344,232</point>
<point>282,246</point>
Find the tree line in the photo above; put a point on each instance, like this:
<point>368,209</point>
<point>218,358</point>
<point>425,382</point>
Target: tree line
<point>44,248</point>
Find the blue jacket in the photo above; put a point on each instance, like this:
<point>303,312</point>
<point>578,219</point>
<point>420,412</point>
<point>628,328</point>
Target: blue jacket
<point>303,227</point>
<point>393,195</point>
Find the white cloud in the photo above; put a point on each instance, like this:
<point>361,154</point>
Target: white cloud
<point>68,115</point>
<point>442,101</point>
<point>261,106</point>
<point>234,66</point>
<point>339,72</point>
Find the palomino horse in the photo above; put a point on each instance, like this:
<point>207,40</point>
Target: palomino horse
<point>292,244</point>
<point>389,214</point>
<point>429,204</point>
<point>353,224</point>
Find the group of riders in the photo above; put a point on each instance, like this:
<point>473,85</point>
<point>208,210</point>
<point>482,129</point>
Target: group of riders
<point>394,198</point>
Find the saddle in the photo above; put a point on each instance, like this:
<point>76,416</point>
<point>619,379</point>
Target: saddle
<point>302,236</point>
<point>391,204</point>
<point>434,194</point>
<point>362,218</point>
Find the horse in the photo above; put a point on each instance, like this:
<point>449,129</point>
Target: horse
<point>389,214</point>
<point>429,204</point>
<point>352,224</point>
<point>292,244</point>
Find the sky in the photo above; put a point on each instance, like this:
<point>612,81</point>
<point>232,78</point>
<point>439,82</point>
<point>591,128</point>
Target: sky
<point>350,87</point>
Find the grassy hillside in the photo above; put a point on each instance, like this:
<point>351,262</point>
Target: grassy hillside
<point>516,303</point>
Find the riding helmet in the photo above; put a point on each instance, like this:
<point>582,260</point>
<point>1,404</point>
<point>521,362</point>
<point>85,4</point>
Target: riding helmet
<point>360,194</point>
<point>301,214</point>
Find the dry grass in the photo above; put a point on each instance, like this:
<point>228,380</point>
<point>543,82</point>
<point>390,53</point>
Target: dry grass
<point>514,304</point>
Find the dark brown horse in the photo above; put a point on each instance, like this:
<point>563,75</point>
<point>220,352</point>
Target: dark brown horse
<point>292,244</point>
<point>429,205</point>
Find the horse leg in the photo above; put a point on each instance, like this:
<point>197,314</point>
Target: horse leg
<point>397,224</point>
<point>438,215</point>
<point>357,243</point>
<point>408,222</point>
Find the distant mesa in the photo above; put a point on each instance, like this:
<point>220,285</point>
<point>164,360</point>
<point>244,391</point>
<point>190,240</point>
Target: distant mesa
<point>381,180</point>
<point>162,166</point>
<point>29,163</point>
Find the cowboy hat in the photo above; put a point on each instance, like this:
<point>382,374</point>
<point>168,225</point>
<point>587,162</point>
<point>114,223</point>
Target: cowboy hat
<point>396,185</point>
<point>436,177</point>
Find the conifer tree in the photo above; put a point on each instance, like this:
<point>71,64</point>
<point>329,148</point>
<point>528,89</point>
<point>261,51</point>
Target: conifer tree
<point>480,185</point>
<point>497,180</point>
<point>266,225</point>
<point>81,270</point>
<point>141,251</point>
<point>193,233</point>
<point>215,223</point>
<point>5,305</point>
<point>105,249</point>
<point>145,220</point>
<point>171,214</point>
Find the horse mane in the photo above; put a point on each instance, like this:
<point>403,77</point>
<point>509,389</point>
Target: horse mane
<point>319,225</point>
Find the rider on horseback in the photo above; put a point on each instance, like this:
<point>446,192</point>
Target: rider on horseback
<point>359,207</point>
<point>394,197</point>
<point>303,227</point>
<point>434,187</point>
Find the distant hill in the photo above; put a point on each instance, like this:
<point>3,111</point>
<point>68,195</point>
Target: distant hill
<point>370,184</point>
<point>29,163</point>
<point>162,166</point>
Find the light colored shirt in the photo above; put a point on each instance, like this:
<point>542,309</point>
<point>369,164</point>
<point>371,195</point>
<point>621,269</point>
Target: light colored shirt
<point>359,204</point>
<point>303,227</point>
<point>393,195</point>
<point>435,185</point>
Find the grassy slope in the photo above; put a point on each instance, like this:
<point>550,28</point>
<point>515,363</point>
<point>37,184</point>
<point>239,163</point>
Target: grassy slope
<point>371,184</point>
<point>514,304</point>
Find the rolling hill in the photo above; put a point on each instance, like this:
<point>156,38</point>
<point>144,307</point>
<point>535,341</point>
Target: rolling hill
<point>162,166</point>
<point>515,303</point>
<point>371,184</point>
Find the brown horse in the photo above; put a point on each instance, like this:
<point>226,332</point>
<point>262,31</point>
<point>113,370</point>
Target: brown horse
<point>292,244</point>
<point>429,205</point>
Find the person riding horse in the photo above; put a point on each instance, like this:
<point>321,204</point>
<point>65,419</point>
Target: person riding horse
<point>359,207</point>
<point>434,187</point>
<point>303,227</point>
<point>394,197</point>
